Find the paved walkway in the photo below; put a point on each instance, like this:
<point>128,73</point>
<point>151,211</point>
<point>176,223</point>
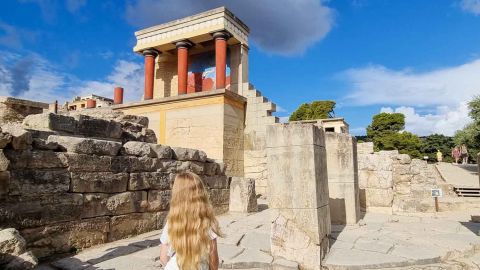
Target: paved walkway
<point>459,175</point>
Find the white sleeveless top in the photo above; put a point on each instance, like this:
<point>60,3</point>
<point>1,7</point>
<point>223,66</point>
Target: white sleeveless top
<point>172,263</point>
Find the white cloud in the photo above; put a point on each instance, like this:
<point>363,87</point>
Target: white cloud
<point>277,26</point>
<point>443,93</point>
<point>445,120</point>
<point>472,6</point>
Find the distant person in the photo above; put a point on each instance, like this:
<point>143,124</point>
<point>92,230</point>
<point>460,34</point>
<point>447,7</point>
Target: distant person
<point>189,238</point>
<point>464,153</point>
<point>456,154</point>
<point>439,156</point>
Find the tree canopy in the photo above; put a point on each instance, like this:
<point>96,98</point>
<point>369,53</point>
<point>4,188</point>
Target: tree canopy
<point>470,134</point>
<point>321,109</point>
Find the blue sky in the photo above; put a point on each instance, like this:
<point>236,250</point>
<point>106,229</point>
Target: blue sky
<point>421,58</point>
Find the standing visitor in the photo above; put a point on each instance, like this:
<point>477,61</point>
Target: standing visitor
<point>439,156</point>
<point>189,238</point>
<point>456,154</point>
<point>464,153</point>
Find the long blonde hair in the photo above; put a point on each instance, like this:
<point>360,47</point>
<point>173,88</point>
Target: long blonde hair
<point>190,221</point>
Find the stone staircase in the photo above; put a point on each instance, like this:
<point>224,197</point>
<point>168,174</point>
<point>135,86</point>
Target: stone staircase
<point>467,192</point>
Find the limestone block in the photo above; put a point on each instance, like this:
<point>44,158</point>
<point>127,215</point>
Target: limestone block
<point>379,179</point>
<point>85,145</point>
<point>186,154</point>
<point>219,196</point>
<point>96,127</point>
<point>191,166</point>
<point>344,203</point>
<point>50,121</point>
<point>162,151</point>
<point>88,163</point>
<point>127,202</point>
<point>67,236</point>
<point>4,183</point>
<point>26,159</point>
<point>149,180</point>
<point>402,188</point>
<point>31,182</point>
<point>94,205</point>
<point>21,138</point>
<point>23,261</point>
<point>4,162</point>
<point>39,210</point>
<point>242,195</point>
<point>132,224</point>
<point>418,166</point>
<point>11,244</point>
<point>5,139</point>
<point>137,149</point>
<point>217,181</point>
<point>295,135</point>
<point>401,169</point>
<point>365,148</point>
<point>169,166</point>
<point>159,200</point>
<point>379,197</point>
<point>41,144</point>
<point>404,159</point>
<point>210,169</point>
<point>143,164</point>
<point>403,178</point>
<point>105,182</point>
<point>149,136</point>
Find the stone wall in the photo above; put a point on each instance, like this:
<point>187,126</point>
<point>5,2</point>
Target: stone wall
<point>342,178</point>
<point>298,193</point>
<point>15,110</point>
<point>68,183</point>
<point>393,182</point>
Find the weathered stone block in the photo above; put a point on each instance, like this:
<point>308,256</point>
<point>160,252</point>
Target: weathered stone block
<point>85,145</point>
<point>21,138</point>
<point>94,205</point>
<point>26,159</point>
<point>185,154</point>
<point>219,196</point>
<point>127,202</point>
<point>4,183</point>
<point>162,151</point>
<point>404,159</point>
<point>217,181</point>
<point>210,169</point>
<point>121,164</point>
<point>96,127</point>
<point>159,200</point>
<point>41,144</point>
<point>38,210</point>
<point>192,166</point>
<point>379,179</point>
<point>4,162</point>
<point>23,261</point>
<point>88,163</point>
<point>131,224</point>
<point>379,197</point>
<point>242,195</point>
<point>149,180</point>
<point>138,149</point>
<point>11,244</point>
<point>50,121</point>
<point>66,237</point>
<point>144,164</point>
<point>169,166</point>
<point>105,182</point>
<point>5,139</point>
<point>25,182</point>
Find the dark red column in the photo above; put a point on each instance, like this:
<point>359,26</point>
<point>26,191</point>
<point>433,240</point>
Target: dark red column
<point>91,103</point>
<point>220,58</point>
<point>149,72</point>
<point>182,54</point>
<point>118,95</point>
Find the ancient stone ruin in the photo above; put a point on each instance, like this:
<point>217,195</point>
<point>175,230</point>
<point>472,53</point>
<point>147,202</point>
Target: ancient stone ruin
<point>68,183</point>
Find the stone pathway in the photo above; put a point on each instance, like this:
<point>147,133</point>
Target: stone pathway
<point>459,175</point>
<point>385,241</point>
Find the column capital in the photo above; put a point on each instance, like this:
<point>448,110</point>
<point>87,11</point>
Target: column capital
<point>221,35</point>
<point>187,44</point>
<point>150,52</point>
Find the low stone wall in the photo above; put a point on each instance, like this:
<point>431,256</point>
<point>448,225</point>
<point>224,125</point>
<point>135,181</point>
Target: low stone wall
<point>70,183</point>
<point>15,110</point>
<point>392,182</point>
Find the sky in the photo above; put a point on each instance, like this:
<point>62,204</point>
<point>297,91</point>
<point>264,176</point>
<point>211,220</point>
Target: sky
<point>420,58</point>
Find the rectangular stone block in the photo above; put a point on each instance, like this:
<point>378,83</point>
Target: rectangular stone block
<point>96,127</point>
<point>216,181</point>
<point>159,200</point>
<point>88,163</point>
<point>32,182</point>
<point>219,196</point>
<point>4,183</point>
<point>66,237</point>
<point>192,166</point>
<point>105,182</point>
<point>144,164</point>
<point>127,202</point>
<point>132,224</point>
<point>50,121</point>
<point>86,145</point>
<point>149,180</point>
<point>379,197</point>
<point>26,159</point>
<point>94,205</point>
<point>38,210</point>
<point>294,134</point>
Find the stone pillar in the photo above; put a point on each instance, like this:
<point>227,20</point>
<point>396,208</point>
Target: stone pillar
<point>91,103</point>
<point>118,95</point>
<point>182,51</point>
<point>298,193</point>
<point>149,72</point>
<point>342,178</point>
<point>220,58</point>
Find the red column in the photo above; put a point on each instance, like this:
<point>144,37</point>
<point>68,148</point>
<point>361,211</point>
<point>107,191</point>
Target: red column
<point>182,51</point>
<point>149,73</point>
<point>118,95</point>
<point>220,58</point>
<point>91,103</point>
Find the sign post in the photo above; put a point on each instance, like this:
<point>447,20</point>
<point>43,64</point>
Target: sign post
<point>436,193</point>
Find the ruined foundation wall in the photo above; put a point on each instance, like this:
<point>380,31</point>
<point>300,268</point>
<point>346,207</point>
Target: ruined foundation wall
<point>394,183</point>
<point>15,110</point>
<point>64,191</point>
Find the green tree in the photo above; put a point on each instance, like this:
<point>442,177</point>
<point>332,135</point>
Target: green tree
<point>316,110</point>
<point>385,123</point>
<point>470,134</point>
<point>432,143</point>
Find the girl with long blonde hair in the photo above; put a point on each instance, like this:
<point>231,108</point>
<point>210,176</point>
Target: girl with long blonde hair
<point>189,238</point>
